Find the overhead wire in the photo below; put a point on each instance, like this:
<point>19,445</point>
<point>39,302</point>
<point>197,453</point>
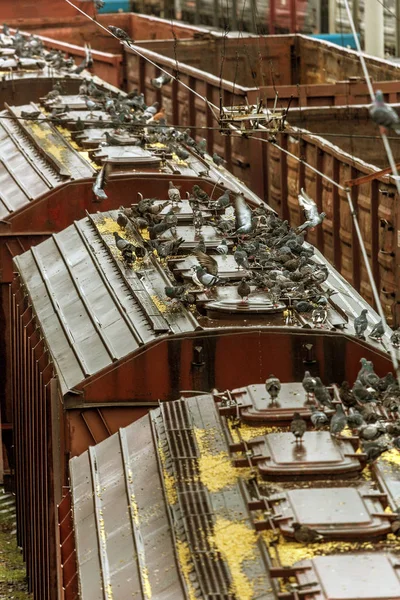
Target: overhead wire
<point>349,199</point>
<point>350,202</point>
<point>134,49</point>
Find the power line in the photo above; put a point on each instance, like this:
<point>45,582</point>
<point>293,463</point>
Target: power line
<point>134,49</point>
<point>349,200</point>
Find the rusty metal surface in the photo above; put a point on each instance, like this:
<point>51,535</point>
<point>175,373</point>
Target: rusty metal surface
<point>92,313</point>
<point>274,176</point>
<point>35,158</point>
<point>123,536</point>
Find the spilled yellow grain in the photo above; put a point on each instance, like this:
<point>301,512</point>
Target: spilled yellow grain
<point>146,582</point>
<point>216,470</point>
<point>236,543</point>
<point>248,432</point>
<point>186,566</point>
<point>391,456</point>
<point>134,510</point>
<point>162,307</point>
<point>169,480</point>
<point>108,225</point>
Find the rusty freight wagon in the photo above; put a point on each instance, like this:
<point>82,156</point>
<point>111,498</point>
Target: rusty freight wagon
<point>47,180</point>
<point>96,343</point>
<point>271,173</point>
<point>206,496</point>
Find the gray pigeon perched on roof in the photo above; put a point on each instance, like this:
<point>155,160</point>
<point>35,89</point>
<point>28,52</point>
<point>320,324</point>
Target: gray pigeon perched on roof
<point>273,387</point>
<point>313,218</point>
<point>377,331</point>
<point>203,279</point>
<point>361,323</point>
<point>338,421</point>
<point>244,290</point>
<point>298,427</point>
<point>223,248</point>
<point>240,257</point>
<point>309,384</point>
<point>395,338</point>
<point>383,114</point>
<point>318,418</point>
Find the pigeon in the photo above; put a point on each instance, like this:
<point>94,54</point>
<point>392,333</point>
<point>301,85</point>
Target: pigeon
<point>322,395</point>
<point>203,279</point>
<point>313,218</point>
<point>361,324</point>
<point>121,243</point>
<point>221,202</point>
<point>305,535</point>
<point>273,387</point>
<point>303,306</point>
<point>338,421</point>
<point>355,420</point>
<point>99,4</point>
<point>33,114</point>
<point>218,160</point>
<point>361,393</point>
<point>175,292</point>
<point>100,182</point>
<point>308,384</point>
<point>298,427</point>
<point>173,193</point>
<point>371,431</point>
<point>158,82</point>
<point>395,338</point>
<point>222,248</point>
<point>120,34</point>
<point>122,220</point>
<point>244,290</point>
<point>318,418</point>
<point>373,450</point>
<point>243,214</point>
<point>383,114</point>
<point>201,245</point>
<point>200,194</point>
<point>377,331</point>
<point>366,368</point>
<point>346,395</point>
<point>91,106</point>
<point>181,153</point>
<point>240,257</point>
<point>207,262</point>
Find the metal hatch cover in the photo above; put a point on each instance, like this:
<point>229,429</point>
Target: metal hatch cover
<point>351,577</point>
<point>336,513</point>
<point>257,406</point>
<point>317,455</point>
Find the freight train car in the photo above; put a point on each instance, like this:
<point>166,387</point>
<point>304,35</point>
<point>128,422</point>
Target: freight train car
<point>97,342</point>
<point>223,500</point>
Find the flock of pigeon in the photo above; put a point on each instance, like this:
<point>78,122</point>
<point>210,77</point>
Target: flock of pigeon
<point>273,256</point>
<point>370,409</point>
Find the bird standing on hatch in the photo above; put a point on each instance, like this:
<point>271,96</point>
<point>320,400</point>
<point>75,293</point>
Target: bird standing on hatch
<point>273,387</point>
<point>309,384</point>
<point>298,427</point>
<point>305,535</point>
<point>244,290</point>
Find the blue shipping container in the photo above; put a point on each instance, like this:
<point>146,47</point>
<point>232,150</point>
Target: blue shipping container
<point>340,39</point>
<point>113,6</point>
